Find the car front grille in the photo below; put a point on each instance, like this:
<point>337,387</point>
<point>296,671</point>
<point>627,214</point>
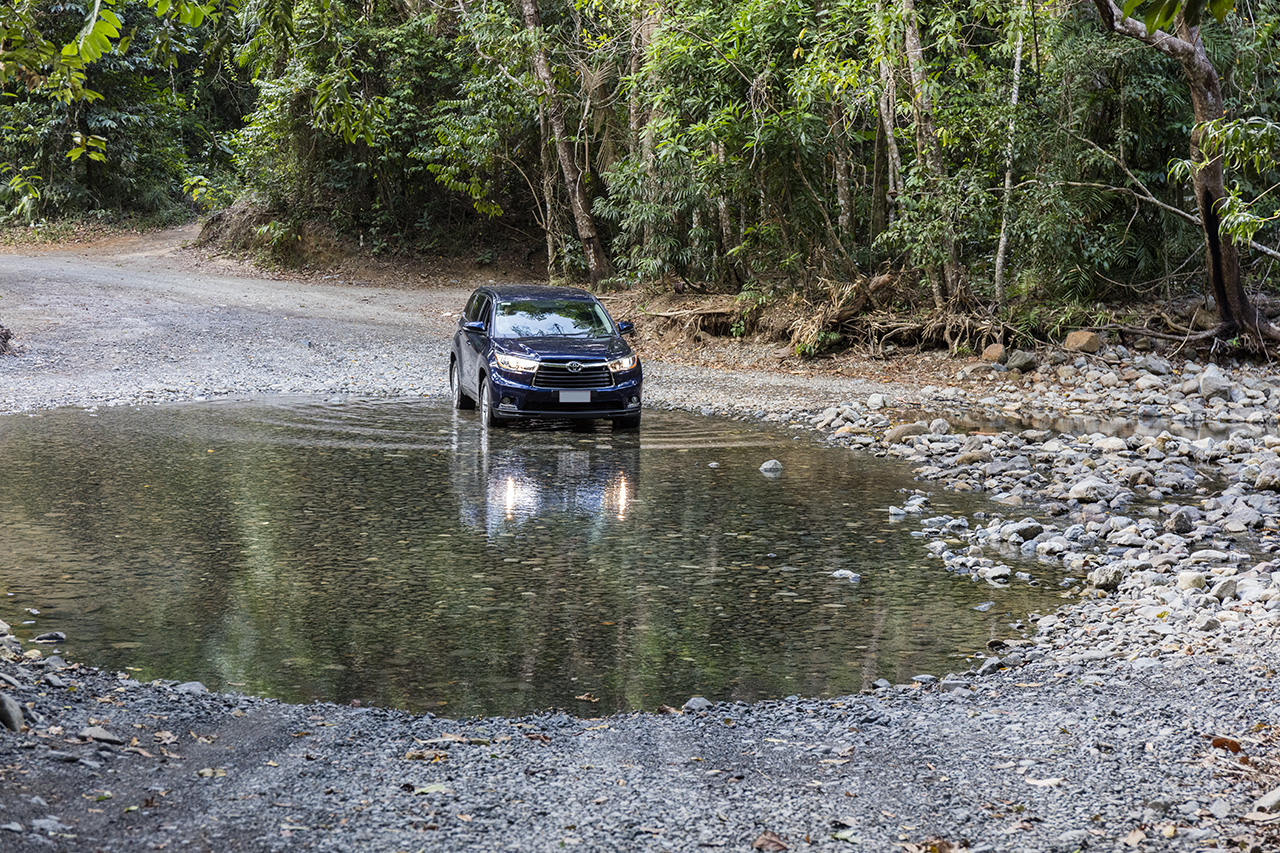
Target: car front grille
<point>556,375</point>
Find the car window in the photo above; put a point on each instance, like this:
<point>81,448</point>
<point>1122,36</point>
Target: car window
<point>477,308</point>
<point>540,318</point>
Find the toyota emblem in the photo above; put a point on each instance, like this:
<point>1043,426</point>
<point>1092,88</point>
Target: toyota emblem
<point>574,366</point>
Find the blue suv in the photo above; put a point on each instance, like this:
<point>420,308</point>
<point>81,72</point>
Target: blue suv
<point>533,351</point>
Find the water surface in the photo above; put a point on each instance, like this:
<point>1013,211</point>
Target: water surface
<point>390,552</point>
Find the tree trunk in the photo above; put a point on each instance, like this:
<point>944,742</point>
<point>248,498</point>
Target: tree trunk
<point>598,267</point>
<point>888,173</point>
<point>844,195</point>
<point>1001,299</point>
<point>550,221</point>
<point>948,285</point>
<point>1222,256</point>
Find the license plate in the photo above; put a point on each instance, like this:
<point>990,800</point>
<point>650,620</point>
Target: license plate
<point>575,396</point>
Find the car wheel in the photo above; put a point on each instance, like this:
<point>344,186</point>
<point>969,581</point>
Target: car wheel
<point>459,397</point>
<point>488,417</point>
<point>629,422</point>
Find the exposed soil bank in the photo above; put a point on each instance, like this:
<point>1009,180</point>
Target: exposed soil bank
<point>1050,755</point>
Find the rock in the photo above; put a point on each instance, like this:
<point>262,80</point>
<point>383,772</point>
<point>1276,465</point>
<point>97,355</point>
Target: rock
<point>1207,623</point>
<point>1111,444</point>
<point>1083,340</point>
<point>1224,589</point>
<point>902,432</point>
<point>101,735</point>
<point>191,688</point>
<point>875,402</point>
<point>696,705</point>
<point>1025,530</point>
<point>1092,489</point>
<point>10,713</point>
<point>1190,580</point>
<point>1022,360</point>
<point>1182,521</point>
<point>994,354</point>
<point>989,666</point>
<point>845,574</point>
<point>773,466</point>
<point>1107,577</point>
<point>1268,479</point>
<point>1269,802</point>
<point>1213,385</point>
<point>51,637</point>
<point>939,426</point>
<point>1156,365</point>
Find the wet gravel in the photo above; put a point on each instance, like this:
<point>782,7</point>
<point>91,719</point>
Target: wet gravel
<point>1105,725</point>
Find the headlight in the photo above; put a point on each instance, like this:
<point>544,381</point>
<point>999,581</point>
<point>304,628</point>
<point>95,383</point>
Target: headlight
<point>627,362</point>
<point>517,363</point>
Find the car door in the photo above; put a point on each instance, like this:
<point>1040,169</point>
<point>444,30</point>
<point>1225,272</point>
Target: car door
<point>472,352</point>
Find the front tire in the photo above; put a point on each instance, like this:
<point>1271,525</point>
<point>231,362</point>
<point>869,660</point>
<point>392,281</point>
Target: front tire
<point>488,416</point>
<point>456,394</point>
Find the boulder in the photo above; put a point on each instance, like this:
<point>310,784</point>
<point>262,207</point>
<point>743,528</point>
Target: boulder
<point>1107,577</point>
<point>1213,384</point>
<point>1083,340</point>
<point>1156,365</point>
<point>994,354</point>
<point>1190,580</point>
<point>10,713</point>
<point>902,432</point>
<point>1022,360</point>
<point>1092,489</point>
<point>1268,479</point>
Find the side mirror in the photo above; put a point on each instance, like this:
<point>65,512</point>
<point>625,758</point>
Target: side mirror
<point>626,327</point>
<point>476,326</point>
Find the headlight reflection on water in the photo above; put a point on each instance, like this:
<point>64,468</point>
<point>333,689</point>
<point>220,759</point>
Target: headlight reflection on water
<point>520,498</point>
<point>615,498</point>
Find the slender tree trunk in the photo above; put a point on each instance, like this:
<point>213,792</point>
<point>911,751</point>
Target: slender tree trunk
<point>888,168</point>
<point>550,222</point>
<point>598,266</point>
<point>926,152</point>
<point>948,284</point>
<point>844,194</point>
<point>1001,299</point>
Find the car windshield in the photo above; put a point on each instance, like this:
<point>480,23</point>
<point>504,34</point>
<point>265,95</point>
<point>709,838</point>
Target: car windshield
<point>543,318</point>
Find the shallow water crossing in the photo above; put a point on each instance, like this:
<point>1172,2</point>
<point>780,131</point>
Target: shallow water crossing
<point>392,552</point>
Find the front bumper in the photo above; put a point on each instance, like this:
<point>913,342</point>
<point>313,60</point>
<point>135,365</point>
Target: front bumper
<point>512,398</point>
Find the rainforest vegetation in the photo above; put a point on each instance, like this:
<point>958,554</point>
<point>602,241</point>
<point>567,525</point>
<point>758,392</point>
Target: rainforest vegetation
<point>1019,162</point>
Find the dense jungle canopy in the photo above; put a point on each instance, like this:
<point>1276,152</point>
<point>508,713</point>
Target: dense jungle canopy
<point>1025,154</point>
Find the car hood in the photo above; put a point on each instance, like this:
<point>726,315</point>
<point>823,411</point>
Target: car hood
<point>555,348</point>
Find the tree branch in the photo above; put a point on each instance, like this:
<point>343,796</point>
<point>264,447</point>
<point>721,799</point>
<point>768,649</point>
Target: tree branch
<point>1113,19</point>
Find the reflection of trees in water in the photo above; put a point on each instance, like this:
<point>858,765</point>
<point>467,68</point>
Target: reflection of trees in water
<point>393,576</point>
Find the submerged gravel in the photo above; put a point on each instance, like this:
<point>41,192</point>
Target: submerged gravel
<point>1138,716</point>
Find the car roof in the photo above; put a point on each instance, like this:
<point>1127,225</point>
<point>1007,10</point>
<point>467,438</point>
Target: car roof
<point>535,291</point>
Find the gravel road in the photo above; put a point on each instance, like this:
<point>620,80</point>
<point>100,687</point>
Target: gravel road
<point>1039,757</point>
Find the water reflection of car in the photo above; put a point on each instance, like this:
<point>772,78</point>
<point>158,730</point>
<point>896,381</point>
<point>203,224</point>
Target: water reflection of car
<point>532,351</point>
<point>552,484</point>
